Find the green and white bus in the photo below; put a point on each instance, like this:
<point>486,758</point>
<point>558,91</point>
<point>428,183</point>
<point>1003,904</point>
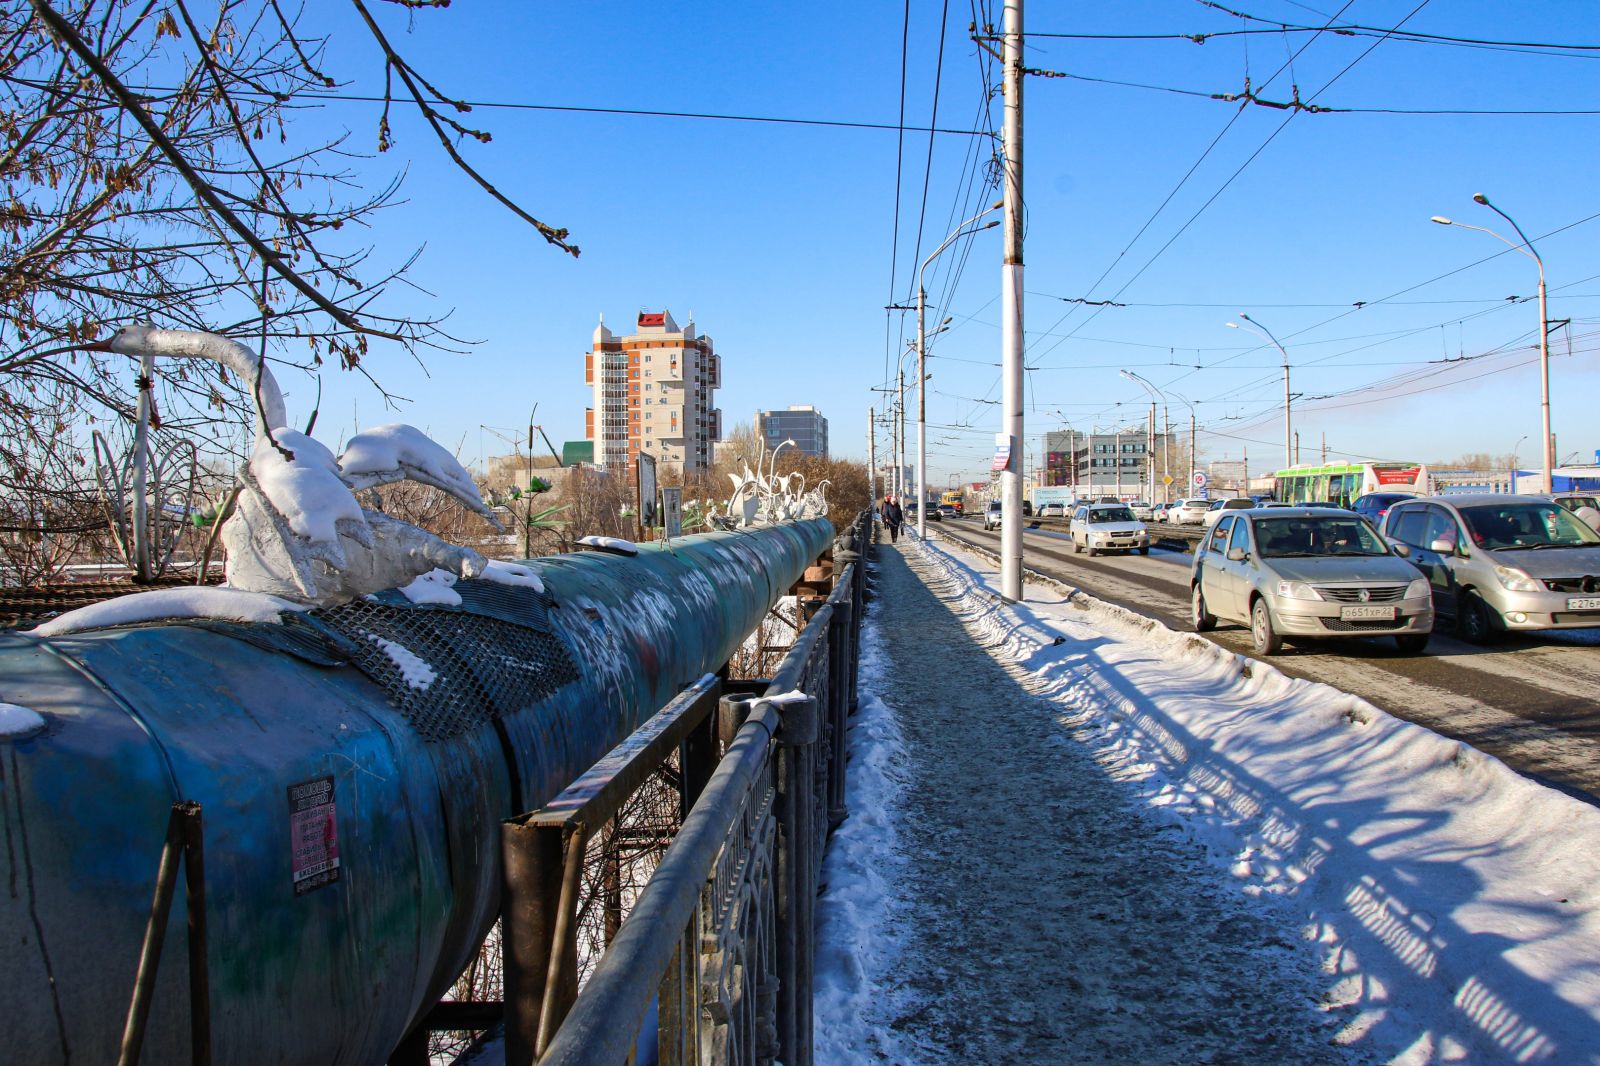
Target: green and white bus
<point>1341,484</point>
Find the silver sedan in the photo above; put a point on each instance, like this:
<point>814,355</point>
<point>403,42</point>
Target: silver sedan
<point>1307,572</point>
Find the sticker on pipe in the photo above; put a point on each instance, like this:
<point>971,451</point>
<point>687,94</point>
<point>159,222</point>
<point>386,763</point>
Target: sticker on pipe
<point>313,835</point>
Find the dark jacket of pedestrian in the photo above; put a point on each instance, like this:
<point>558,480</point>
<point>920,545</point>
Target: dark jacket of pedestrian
<point>893,516</point>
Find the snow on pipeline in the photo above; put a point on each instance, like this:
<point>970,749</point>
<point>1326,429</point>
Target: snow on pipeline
<point>1456,905</point>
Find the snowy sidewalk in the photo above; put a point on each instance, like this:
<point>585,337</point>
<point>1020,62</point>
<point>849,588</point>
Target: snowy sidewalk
<point>1076,836</point>
<point>1039,917</point>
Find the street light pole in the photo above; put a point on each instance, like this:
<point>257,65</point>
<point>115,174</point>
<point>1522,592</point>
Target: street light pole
<point>1515,448</point>
<point>1189,485</point>
<point>1526,248</point>
<point>1265,333</point>
<point>922,356</point>
<point>1150,456</point>
<point>872,457</point>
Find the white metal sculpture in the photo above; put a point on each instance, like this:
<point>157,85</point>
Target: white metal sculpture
<point>297,530</point>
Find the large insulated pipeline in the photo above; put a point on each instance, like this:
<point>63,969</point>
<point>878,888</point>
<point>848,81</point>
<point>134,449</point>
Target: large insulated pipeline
<point>353,766</point>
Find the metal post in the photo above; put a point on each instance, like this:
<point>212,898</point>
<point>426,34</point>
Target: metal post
<point>194,885</point>
<point>900,440</point>
<point>1119,462</point>
<point>1191,451</point>
<point>1011,312</point>
<point>872,458</point>
<point>1296,459</point>
<point>1166,452</point>
<point>922,417</point>
<point>141,464</point>
<point>531,861</point>
<point>561,976</point>
<point>144,982</point>
<point>1549,448</point>
<point>1150,454</point>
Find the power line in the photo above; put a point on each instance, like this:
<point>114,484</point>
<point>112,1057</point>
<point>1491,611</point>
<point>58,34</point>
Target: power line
<point>634,112</point>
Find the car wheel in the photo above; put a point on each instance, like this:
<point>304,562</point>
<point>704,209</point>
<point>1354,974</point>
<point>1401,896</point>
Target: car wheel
<point>1412,643</point>
<point>1262,635</point>
<point>1076,547</point>
<point>1474,620</point>
<point>1092,551</point>
<point>1145,550</point>
<point>1203,619</point>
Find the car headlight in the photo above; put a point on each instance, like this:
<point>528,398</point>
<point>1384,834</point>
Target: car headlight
<point>1515,580</point>
<point>1418,587</point>
<point>1297,590</point>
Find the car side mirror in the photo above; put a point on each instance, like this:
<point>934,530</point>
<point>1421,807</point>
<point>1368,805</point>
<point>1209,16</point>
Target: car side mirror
<point>1442,545</point>
<point>1236,555</point>
<point>1402,550</point>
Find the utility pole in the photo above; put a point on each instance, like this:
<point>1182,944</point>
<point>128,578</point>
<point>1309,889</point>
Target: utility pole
<point>1246,471</point>
<point>1119,462</point>
<point>1191,451</point>
<point>1324,447</point>
<point>872,457</point>
<point>1297,447</point>
<point>1011,338</point>
<point>900,442</point>
<point>1150,454</point>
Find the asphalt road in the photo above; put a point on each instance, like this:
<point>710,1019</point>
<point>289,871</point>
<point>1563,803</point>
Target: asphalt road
<point>1532,701</point>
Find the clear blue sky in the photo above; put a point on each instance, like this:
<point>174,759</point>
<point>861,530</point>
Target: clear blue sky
<point>780,237</point>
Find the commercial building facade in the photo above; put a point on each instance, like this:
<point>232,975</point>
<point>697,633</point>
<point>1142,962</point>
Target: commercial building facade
<point>802,424</point>
<point>653,392</point>
<point>1105,464</point>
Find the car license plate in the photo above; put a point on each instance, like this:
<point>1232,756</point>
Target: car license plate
<point>1361,614</point>
<point>1583,603</point>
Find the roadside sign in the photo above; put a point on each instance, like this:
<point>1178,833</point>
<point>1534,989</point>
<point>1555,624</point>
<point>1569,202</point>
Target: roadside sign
<point>1166,479</point>
<point>1200,479</point>
<point>1002,451</point>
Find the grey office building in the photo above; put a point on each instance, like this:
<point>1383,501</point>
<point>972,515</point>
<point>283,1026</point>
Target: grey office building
<point>802,424</point>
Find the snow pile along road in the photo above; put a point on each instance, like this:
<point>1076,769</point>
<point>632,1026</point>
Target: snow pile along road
<point>1454,902</point>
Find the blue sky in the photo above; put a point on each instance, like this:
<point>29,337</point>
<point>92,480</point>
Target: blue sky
<point>780,238</point>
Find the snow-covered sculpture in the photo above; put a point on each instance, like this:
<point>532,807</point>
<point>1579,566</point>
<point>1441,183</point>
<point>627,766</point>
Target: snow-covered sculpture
<point>297,530</point>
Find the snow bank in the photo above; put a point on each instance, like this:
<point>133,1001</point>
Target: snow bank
<point>857,937</point>
<point>223,604</point>
<point>1457,903</point>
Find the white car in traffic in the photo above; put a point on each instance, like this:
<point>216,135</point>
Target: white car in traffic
<point>1101,527</point>
<point>1190,512</point>
<point>1219,507</point>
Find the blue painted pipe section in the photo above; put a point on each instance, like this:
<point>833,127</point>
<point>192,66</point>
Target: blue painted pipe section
<point>296,762</point>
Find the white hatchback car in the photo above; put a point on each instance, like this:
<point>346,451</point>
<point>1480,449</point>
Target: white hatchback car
<point>1188,512</point>
<point>1101,527</point>
<point>1219,507</point>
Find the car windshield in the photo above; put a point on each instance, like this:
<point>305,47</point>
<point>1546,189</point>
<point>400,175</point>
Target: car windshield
<point>1278,538</point>
<point>1572,503</point>
<point>1110,514</point>
<point>1526,525</point>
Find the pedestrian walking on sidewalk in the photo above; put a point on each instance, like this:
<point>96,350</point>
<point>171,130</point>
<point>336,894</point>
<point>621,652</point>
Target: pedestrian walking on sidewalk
<point>892,517</point>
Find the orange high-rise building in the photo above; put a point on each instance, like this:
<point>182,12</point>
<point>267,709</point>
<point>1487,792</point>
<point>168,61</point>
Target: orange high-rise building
<point>653,392</point>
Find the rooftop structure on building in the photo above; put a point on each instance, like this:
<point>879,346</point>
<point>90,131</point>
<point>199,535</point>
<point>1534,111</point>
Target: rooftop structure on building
<point>654,392</point>
<point>801,423</point>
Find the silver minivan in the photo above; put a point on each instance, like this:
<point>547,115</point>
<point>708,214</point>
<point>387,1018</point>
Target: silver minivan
<point>1499,562</point>
<point>1307,572</point>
